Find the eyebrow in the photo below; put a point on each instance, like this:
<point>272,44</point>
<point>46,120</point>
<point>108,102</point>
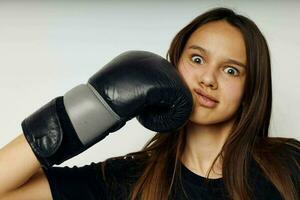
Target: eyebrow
<point>228,60</point>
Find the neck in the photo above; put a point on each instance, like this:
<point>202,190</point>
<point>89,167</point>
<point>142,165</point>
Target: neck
<point>203,144</point>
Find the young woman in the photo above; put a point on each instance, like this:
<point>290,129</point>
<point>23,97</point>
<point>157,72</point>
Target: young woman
<point>222,152</point>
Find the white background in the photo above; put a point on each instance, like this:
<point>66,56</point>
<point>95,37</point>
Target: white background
<point>48,47</point>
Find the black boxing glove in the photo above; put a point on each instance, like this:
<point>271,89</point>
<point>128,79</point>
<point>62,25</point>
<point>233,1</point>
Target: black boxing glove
<point>134,84</point>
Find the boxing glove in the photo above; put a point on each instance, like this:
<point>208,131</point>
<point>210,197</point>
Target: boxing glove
<point>134,84</point>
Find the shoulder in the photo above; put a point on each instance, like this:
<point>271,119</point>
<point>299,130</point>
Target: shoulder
<point>283,152</point>
<point>110,178</point>
<point>288,148</point>
<point>76,182</point>
<point>121,169</point>
<point>275,152</point>
<point>292,151</point>
<point>293,148</point>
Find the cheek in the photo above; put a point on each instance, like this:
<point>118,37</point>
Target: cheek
<point>188,76</point>
<point>186,72</point>
<point>233,94</point>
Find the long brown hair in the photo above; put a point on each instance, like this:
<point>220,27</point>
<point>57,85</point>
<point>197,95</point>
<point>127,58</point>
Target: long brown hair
<point>248,139</point>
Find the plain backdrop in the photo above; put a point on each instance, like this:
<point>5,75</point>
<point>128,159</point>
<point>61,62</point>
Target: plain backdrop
<point>48,47</point>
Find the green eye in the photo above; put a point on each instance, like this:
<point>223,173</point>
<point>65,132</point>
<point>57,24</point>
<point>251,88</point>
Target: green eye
<point>197,59</point>
<point>233,71</point>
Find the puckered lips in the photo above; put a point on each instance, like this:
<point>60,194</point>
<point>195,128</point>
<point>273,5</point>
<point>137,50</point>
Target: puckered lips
<point>205,99</point>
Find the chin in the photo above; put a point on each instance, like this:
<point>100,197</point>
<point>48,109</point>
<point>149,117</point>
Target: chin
<point>204,121</point>
<point>209,120</point>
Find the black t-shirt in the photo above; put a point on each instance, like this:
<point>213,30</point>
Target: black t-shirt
<point>88,183</point>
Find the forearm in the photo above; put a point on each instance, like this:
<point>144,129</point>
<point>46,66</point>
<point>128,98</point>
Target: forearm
<point>17,164</point>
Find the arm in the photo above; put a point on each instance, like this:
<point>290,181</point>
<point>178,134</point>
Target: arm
<point>29,182</point>
<point>86,114</point>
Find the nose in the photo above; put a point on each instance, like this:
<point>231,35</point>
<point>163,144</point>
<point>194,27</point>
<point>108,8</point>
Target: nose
<point>208,78</point>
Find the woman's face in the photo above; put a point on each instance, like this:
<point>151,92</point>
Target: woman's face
<point>213,62</point>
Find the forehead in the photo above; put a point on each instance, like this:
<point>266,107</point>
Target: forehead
<point>221,39</point>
